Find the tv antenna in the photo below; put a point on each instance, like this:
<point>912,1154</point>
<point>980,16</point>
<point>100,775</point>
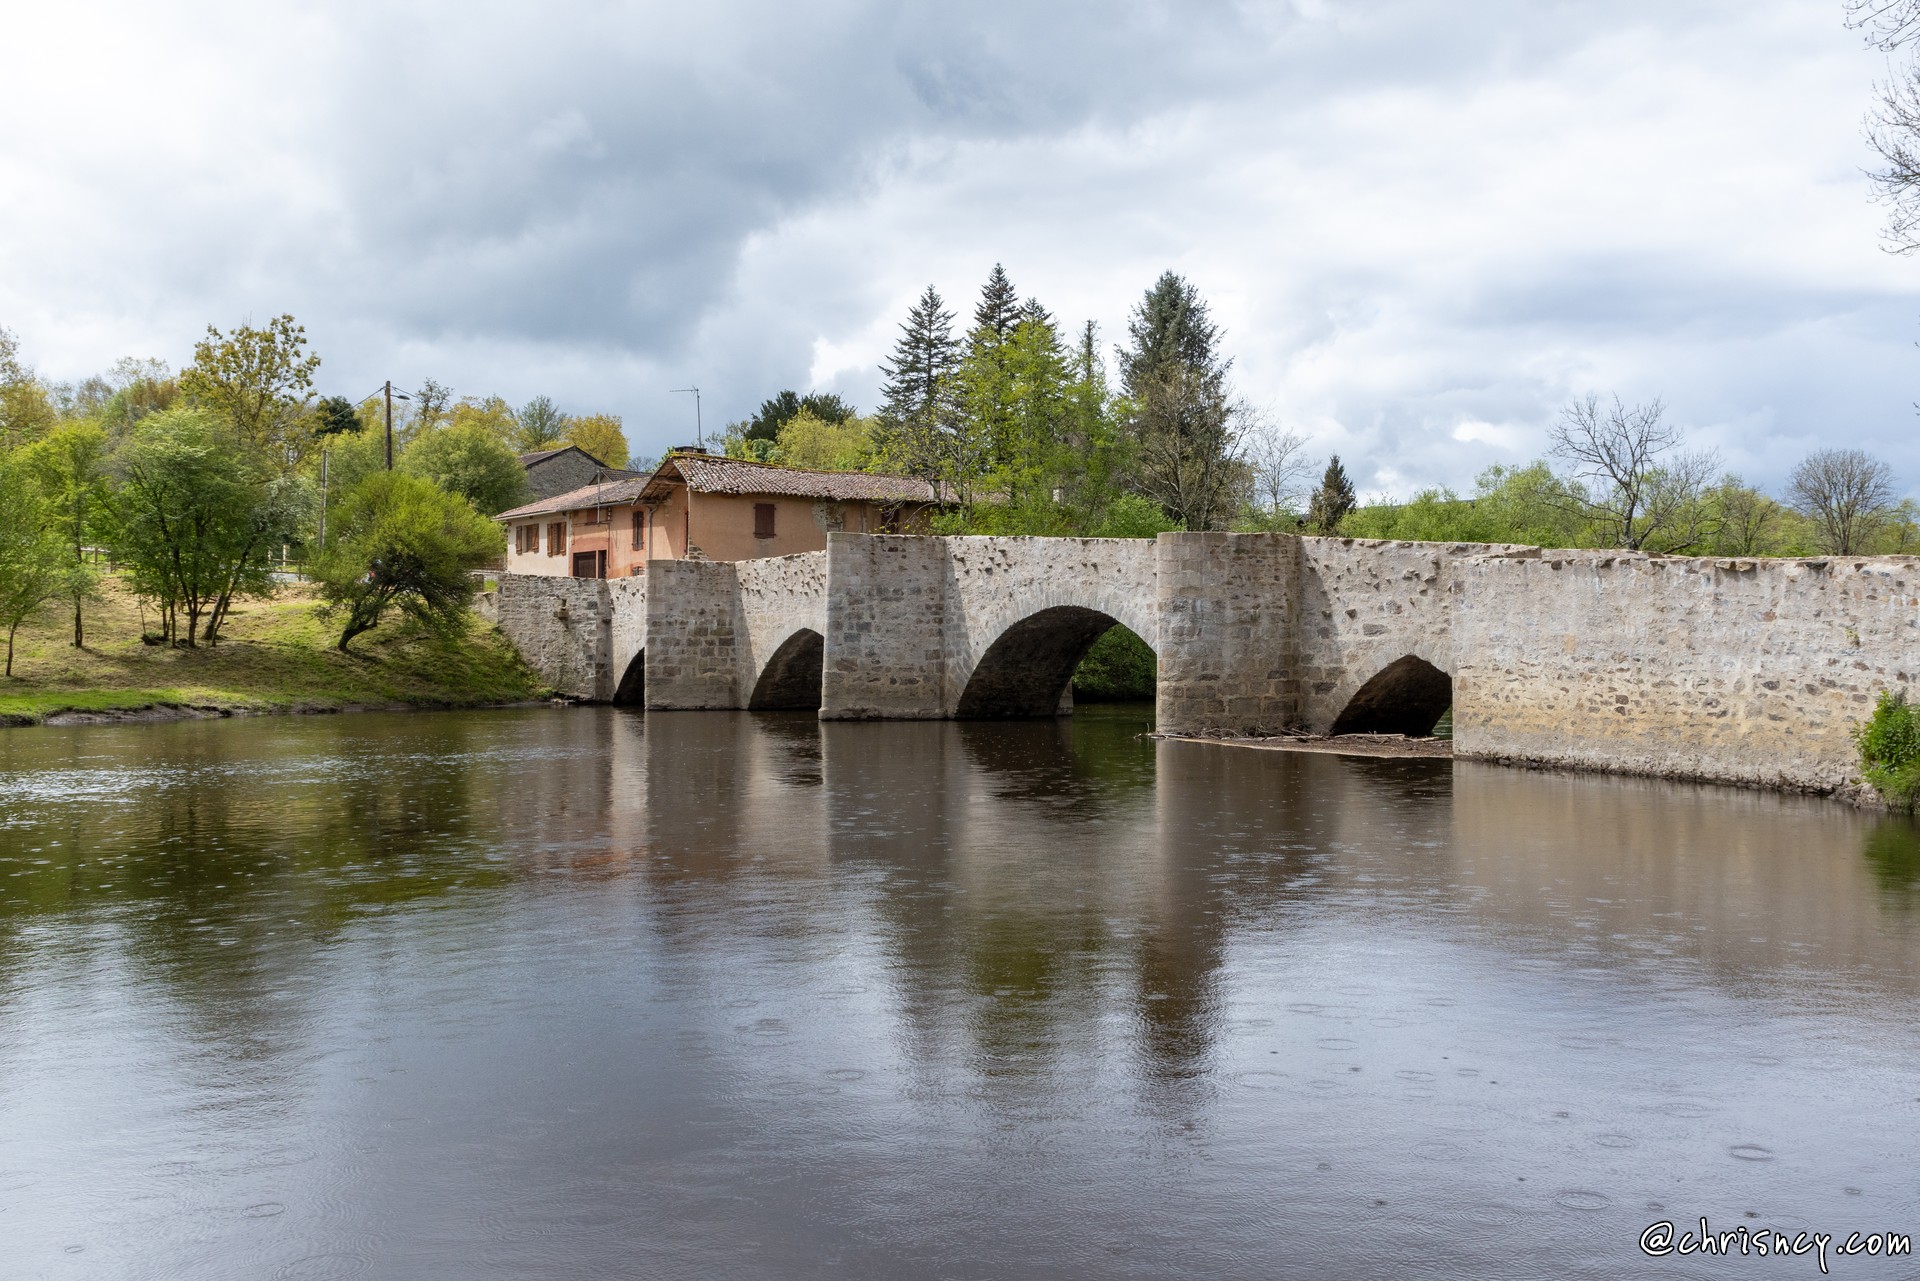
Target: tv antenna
<point>699,432</point>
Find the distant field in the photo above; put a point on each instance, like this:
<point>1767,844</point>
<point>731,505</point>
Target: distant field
<point>275,655</point>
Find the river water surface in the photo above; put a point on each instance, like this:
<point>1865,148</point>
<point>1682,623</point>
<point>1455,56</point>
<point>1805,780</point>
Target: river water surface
<point>586,994</point>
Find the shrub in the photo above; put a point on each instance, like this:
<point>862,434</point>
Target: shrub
<point>1889,744</point>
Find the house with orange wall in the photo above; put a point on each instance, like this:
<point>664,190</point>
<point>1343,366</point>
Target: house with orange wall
<point>707,507</point>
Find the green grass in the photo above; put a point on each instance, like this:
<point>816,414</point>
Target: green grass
<point>276,655</point>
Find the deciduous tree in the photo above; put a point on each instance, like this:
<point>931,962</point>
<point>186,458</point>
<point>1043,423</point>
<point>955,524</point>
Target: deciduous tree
<point>26,412</point>
<point>409,545</point>
<point>540,425</point>
<point>196,519</point>
<point>70,463</point>
<point>472,462</point>
<point>1845,493</point>
<point>258,382</point>
<point>34,566</point>
<point>1640,488</point>
<point>600,435</point>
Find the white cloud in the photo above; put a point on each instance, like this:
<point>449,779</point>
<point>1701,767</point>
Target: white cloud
<point>1425,226</point>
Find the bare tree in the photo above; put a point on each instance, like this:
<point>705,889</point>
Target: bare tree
<point>1637,484</point>
<point>1846,493</point>
<point>1277,462</point>
<point>1893,126</point>
<point>1888,23</point>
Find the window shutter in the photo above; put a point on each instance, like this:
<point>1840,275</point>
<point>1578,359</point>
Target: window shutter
<point>639,530</point>
<point>763,520</point>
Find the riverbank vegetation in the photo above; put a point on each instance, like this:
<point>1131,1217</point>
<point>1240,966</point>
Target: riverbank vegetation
<point>155,510</point>
<point>1889,744</point>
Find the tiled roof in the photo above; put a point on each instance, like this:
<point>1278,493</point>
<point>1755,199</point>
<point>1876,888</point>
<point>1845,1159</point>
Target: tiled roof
<point>609,493</point>
<point>541,456</point>
<point>713,474</point>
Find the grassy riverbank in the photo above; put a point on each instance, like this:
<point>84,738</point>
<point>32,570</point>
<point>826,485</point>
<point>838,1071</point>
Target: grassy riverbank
<point>276,656</point>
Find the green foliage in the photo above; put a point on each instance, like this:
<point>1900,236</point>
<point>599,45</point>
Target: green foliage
<point>1332,501</point>
<point>25,409</point>
<point>1526,505</point>
<point>70,465</point>
<point>407,544</point>
<point>468,460</point>
<point>540,425</point>
<point>1120,666</point>
<point>1131,516</point>
<point>258,383</point>
<point>492,414</point>
<point>336,416</point>
<point>600,435</point>
<point>823,444</point>
<point>197,518</point>
<point>34,564</point>
<point>1889,746</point>
<point>783,408</point>
<point>1184,426</point>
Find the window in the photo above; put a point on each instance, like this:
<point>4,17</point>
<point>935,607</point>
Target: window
<point>590,564</point>
<point>557,538</point>
<point>639,529</point>
<point>592,517</point>
<point>763,520</point>
<point>524,535</point>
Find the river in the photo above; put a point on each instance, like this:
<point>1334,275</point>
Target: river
<point>586,994</point>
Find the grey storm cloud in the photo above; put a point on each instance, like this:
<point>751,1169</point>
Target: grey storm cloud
<point>1424,225</point>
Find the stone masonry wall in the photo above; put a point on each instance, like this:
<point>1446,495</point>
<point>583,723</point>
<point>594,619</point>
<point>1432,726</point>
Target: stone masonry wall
<point>562,627</point>
<point>993,583</point>
<point>1750,671</point>
<point>1226,612</point>
<point>1363,604</point>
<point>886,619</point>
<point>692,654</point>
<point>778,596</point>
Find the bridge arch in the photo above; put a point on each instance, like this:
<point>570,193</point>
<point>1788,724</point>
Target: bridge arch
<point>1024,673</point>
<point>632,689</point>
<point>791,678</point>
<point>1407,696</point>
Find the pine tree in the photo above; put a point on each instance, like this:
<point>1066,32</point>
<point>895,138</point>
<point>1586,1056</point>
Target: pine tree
<point>999,309</point>
<point>1171,324</point>
<point>1333,500</point>
<point>923,357</point>
<point>1183,426</point>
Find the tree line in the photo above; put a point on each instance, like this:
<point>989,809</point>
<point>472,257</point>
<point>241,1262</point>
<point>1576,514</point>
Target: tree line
<point>1027,432</point>
<point>198,484</point>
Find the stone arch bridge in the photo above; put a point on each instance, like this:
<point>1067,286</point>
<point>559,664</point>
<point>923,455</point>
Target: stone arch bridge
<point>1744,670</point>
<point>904,628</point>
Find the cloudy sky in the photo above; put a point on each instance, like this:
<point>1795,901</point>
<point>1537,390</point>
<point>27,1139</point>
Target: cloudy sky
<point>1424,224</point>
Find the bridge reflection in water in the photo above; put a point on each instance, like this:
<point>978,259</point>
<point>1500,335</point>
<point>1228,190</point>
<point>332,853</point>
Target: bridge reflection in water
<point>579,994</point>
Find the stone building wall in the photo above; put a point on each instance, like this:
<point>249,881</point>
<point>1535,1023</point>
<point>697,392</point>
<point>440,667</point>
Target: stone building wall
<point>1750,671</point>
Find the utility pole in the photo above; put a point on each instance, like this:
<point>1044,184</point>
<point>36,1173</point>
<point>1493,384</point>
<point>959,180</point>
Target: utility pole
<point>699,432</point>
<point>391,393</point>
